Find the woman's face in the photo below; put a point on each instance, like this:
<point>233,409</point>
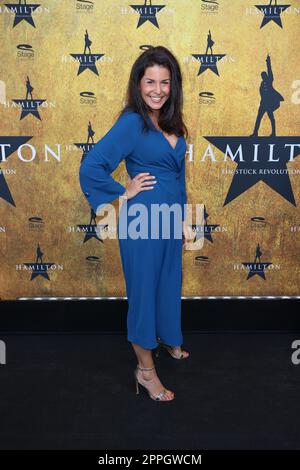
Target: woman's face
<point>155,86</point>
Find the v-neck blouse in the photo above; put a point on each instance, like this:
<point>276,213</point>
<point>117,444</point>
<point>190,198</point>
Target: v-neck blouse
<point>161,132</point>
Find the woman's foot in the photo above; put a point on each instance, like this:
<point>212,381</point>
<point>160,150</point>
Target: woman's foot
<point>177,351</point>
<point>153,384</point>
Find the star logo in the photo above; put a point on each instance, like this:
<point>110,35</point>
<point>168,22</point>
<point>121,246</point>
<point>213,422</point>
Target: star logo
<point>9,145</point>
<point>260,159</point>
<point>29,106</point>
<point>39,269</point>
<point>205,230</point>
<point>85,147</point>
<point>92,230</point>
<point>87,59</point>
<point>147,13</point>
<point>272,13</point>
<point>208,61</point>
<point>87,62</point>
<point>22,12</point>
<point>257,268</point>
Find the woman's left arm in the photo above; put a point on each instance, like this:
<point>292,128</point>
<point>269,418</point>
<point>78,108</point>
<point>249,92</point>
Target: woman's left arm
<point>95,173</point>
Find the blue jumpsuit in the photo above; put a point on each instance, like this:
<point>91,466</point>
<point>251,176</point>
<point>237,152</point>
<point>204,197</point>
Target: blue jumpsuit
<point>152,266</point>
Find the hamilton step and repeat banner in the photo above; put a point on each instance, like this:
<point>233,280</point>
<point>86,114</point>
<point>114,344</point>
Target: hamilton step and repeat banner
<point>65,66</point>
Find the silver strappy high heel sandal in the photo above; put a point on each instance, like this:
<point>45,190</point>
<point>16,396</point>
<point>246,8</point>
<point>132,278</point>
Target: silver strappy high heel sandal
<point>160,396</point>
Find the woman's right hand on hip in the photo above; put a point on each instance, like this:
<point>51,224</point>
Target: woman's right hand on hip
<point>139,183</point>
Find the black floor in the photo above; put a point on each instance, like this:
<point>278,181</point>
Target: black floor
<point>236,391</point>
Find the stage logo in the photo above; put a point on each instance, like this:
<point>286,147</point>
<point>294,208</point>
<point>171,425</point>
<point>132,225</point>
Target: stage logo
<point>88,98</point>
<point>84,6</point>
<point>209,6</point>
<point>25,52</point>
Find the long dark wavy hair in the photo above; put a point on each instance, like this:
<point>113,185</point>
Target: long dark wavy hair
<point>170,117</point>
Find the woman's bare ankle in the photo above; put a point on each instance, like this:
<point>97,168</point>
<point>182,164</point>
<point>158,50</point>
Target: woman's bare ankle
<point>148,374</point>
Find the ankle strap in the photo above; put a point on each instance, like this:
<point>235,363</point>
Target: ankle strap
<point>145,368</point>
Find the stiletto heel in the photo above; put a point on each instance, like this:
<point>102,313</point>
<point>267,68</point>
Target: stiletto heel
<point>169,349</point>
<point>137,386</point>
<point>157,351</point>
<point>160,396</point>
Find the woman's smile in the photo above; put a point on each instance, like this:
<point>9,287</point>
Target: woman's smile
<point>155,86</point>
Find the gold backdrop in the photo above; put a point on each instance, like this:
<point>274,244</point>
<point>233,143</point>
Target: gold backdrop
<point>48,247</point>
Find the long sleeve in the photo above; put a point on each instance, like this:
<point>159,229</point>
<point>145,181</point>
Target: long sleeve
<point>183,189</point>
<point>96,182</point>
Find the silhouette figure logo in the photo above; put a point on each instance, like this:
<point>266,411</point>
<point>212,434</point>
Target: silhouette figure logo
<point>87,60</point>
<point>208,61</point>
<point>91,230</point>
<point>39,268</point>
<point>29,105</point>
<point>270,99</point>
<point>86,146</point>
<point>257,266</point>
<point>260,158</point>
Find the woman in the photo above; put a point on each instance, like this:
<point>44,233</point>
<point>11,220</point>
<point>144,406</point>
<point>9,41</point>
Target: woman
<point>149,135</point>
